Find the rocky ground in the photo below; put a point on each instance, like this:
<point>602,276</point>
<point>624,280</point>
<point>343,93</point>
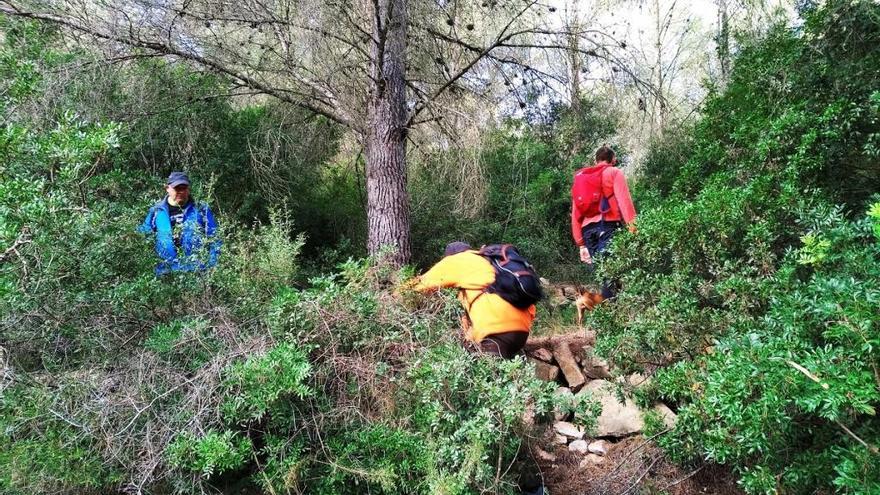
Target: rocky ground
<point>629,466</point>
<point>615,458</point>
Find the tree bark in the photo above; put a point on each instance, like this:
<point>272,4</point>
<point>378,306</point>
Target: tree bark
<point>388,217</point>
<point>574,57</point>
<point>722,39</point>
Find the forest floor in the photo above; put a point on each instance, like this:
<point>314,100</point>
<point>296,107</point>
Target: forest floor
<point>633,465</point>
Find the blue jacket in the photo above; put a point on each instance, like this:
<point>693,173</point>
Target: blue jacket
<point>197,228</point>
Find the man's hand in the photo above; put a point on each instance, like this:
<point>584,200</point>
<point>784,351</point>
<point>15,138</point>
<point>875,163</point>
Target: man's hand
<point>585,255</point>
<point>632,228</point>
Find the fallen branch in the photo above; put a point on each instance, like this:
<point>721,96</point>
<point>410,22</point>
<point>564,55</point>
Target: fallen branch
<point>623,459</point>
<point>640,478</point>
<point>807,373</point>
<point>686,477</point>
<point>871,448</point>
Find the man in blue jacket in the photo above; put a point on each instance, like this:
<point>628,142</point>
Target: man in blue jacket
<point>183,229</point>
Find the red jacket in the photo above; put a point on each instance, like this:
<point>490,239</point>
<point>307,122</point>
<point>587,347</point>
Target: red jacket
<point>614,188</point>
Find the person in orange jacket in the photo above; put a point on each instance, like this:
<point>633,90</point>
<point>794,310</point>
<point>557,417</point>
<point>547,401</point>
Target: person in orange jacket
<point>495,325</point>
<point>594,225</point>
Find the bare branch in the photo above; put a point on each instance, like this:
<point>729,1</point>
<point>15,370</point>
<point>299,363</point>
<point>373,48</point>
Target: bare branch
<point>169,50</point>
<point>502,37</point>
<point>23,238</point>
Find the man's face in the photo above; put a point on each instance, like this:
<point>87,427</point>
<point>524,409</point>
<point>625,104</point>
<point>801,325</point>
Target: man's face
<point>178,194</point>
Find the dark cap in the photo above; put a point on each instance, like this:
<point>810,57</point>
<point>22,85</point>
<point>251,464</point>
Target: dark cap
<point>177,178</point>
<point>455,248</point>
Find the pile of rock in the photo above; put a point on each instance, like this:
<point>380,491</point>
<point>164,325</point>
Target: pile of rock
<point>569,361</point>
<point>574,437</point>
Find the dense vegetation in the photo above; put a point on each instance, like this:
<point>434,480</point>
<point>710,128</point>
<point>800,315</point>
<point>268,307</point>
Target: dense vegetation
<point>751,289</point>
<point>263,374</point>
<point>754,279</point>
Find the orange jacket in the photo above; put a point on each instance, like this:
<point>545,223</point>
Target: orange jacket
<point>489,313</point>
<point>614,188</point>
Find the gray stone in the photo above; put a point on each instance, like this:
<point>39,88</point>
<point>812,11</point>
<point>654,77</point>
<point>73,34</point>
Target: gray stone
<point>637,380</point>
<point>597,369</point>
<point>570,369</point>
<point>599,447</point>
<point>561,439</point>
<point>616,419</point>
<point>594,366</point>
<point>578,446</point>
<point>568,429</point>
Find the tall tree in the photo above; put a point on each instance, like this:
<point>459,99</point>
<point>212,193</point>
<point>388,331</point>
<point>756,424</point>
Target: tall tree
<point>378,67</point>
<point>667,47</point>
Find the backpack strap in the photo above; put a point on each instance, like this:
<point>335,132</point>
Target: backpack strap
<point>605,199</point>
<point>486,252</point>
<point>492,253</point>
<point>504,258</point>
<point>472,301</point>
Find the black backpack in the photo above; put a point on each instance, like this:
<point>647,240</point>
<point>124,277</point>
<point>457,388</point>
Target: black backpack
<point>515,280</point>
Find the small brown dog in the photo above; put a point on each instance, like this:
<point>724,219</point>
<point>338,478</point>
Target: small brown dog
<point>586,300</point>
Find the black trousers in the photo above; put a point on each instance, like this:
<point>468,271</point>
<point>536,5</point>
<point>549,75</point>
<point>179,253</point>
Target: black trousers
<point>597,236</point>
<point>504,345</point>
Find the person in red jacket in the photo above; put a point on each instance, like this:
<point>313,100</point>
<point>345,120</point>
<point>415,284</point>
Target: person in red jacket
<point>594,225</point>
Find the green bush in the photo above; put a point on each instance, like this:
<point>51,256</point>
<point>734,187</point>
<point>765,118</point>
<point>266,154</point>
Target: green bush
<point>257,383</point>
<point>802,380</point>
<point>752,281</point>
<point>42,450</point>
<point>210,453</point>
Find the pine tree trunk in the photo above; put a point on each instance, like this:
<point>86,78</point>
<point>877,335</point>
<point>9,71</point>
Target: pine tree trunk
<point>574,58</point>
<point>722,39</point>
<point>388,220</point>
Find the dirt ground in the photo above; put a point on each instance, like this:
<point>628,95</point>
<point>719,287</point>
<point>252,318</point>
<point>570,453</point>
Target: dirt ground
<point>632,466</point>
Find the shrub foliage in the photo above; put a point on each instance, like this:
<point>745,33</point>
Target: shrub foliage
<point>753,279</point>
<point>248,376</point>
